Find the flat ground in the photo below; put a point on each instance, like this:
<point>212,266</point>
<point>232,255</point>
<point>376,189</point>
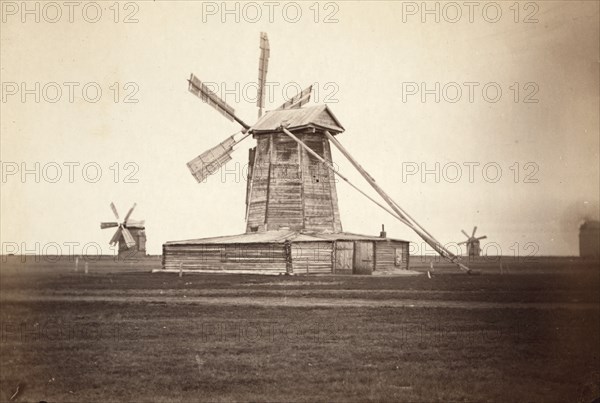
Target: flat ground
<point>119,333</point>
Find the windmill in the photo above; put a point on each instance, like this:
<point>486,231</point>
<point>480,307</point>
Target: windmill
<point>291,192</point>
<point>129,234</point>
<point>472,242</point>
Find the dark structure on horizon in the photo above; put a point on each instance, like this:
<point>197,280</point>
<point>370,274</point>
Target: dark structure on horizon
<point>589,239</point>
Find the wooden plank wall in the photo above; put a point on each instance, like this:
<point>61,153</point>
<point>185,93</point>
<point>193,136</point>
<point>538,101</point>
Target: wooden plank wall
<point>320,215</point>
<point>285,186</point>
<point>231,257</point>
<point>312,257</point>
<point>385,254</point>
<point>364,257</point>
<point>337,222</point>
<point>258,192</point>
<point>291,188</point>
<point>344,257</point>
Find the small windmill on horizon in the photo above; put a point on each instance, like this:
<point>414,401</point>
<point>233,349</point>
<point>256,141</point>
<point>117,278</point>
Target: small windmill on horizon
<point>472,242</point>
<point>130,234</point>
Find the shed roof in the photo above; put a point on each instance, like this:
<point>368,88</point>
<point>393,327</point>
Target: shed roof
<point>280,236</point>
<point>319,117</point>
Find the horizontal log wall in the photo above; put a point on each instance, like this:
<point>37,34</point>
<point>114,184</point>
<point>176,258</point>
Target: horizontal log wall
<point>312,257</point>
<point>385,255</point>
<point>230,257</point>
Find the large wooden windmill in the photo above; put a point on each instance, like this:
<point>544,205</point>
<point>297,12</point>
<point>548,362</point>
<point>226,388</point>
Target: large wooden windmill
<point>130,234</point>
<point>292,216</point>
<point>472,242</point>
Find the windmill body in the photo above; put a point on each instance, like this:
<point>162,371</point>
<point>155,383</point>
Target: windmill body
<point>292,217</point>
<point>288,188</point>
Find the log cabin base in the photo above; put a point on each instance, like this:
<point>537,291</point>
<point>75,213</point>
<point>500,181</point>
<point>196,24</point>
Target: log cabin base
<point>287,252</point>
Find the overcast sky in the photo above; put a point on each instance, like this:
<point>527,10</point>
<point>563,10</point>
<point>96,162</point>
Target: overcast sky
<point>368,64</point>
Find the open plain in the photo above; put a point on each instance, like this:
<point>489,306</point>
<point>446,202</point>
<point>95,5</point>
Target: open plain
<point>527,332</point>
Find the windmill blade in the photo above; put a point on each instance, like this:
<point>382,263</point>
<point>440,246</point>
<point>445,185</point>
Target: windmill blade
<point>104,225</point>
<point>211,160</point>
<point>129,241</point>
<point>199,89</point>
<point>462,243</point>
<point>114,209</point>
<point>115,239</point>
<point>299,100</point>
<point>129,213</point>
<point>135,223</point>
<point>474,229</point>
<point>482,237</point>
<point>263,67</point>
<point>464,232</point>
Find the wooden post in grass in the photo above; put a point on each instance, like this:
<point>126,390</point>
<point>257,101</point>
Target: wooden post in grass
<point>76,263</point>
<point>86,267</point>
<point>501,268</point>
<point>180,269</point>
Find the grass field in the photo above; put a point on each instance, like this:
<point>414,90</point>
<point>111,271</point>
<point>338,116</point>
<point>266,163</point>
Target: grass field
<point>119,333</point>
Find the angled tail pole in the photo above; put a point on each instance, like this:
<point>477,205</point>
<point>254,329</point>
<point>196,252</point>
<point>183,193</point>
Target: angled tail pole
<point>332,168</point>
<point>413,224</point>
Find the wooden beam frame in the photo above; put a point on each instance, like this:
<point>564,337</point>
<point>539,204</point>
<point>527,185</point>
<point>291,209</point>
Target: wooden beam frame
<point>406,218</point>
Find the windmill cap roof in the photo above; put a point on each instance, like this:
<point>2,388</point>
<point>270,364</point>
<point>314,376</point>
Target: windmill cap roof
<point>319,117</point>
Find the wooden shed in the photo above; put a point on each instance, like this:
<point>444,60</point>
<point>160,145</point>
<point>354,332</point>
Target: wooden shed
<point>286,251</point>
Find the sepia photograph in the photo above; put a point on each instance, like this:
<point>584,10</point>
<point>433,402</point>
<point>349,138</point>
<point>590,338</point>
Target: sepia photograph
<point>300,201</point>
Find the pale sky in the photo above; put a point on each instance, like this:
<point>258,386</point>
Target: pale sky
<point>363,66</point>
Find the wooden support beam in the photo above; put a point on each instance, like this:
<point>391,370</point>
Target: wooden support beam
<point>332,168</point>
<point>412,223</point>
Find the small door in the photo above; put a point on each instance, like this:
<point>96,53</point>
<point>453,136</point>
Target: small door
<point>398,257</point>
<point>363,257</point>
<point>344,252</point>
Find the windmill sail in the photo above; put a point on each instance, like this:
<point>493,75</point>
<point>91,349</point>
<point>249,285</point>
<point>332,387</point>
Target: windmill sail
<point>114,210</point>
<point>211,160</point>
<point>115,239</point>
<point>129,241</point>
<point>129,213</point>
<point>299,100</point>
<point>199,89</point>
<point>263,67</point>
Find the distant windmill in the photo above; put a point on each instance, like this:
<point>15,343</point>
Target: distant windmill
<point>472,242</point>
<point>129,234</point>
